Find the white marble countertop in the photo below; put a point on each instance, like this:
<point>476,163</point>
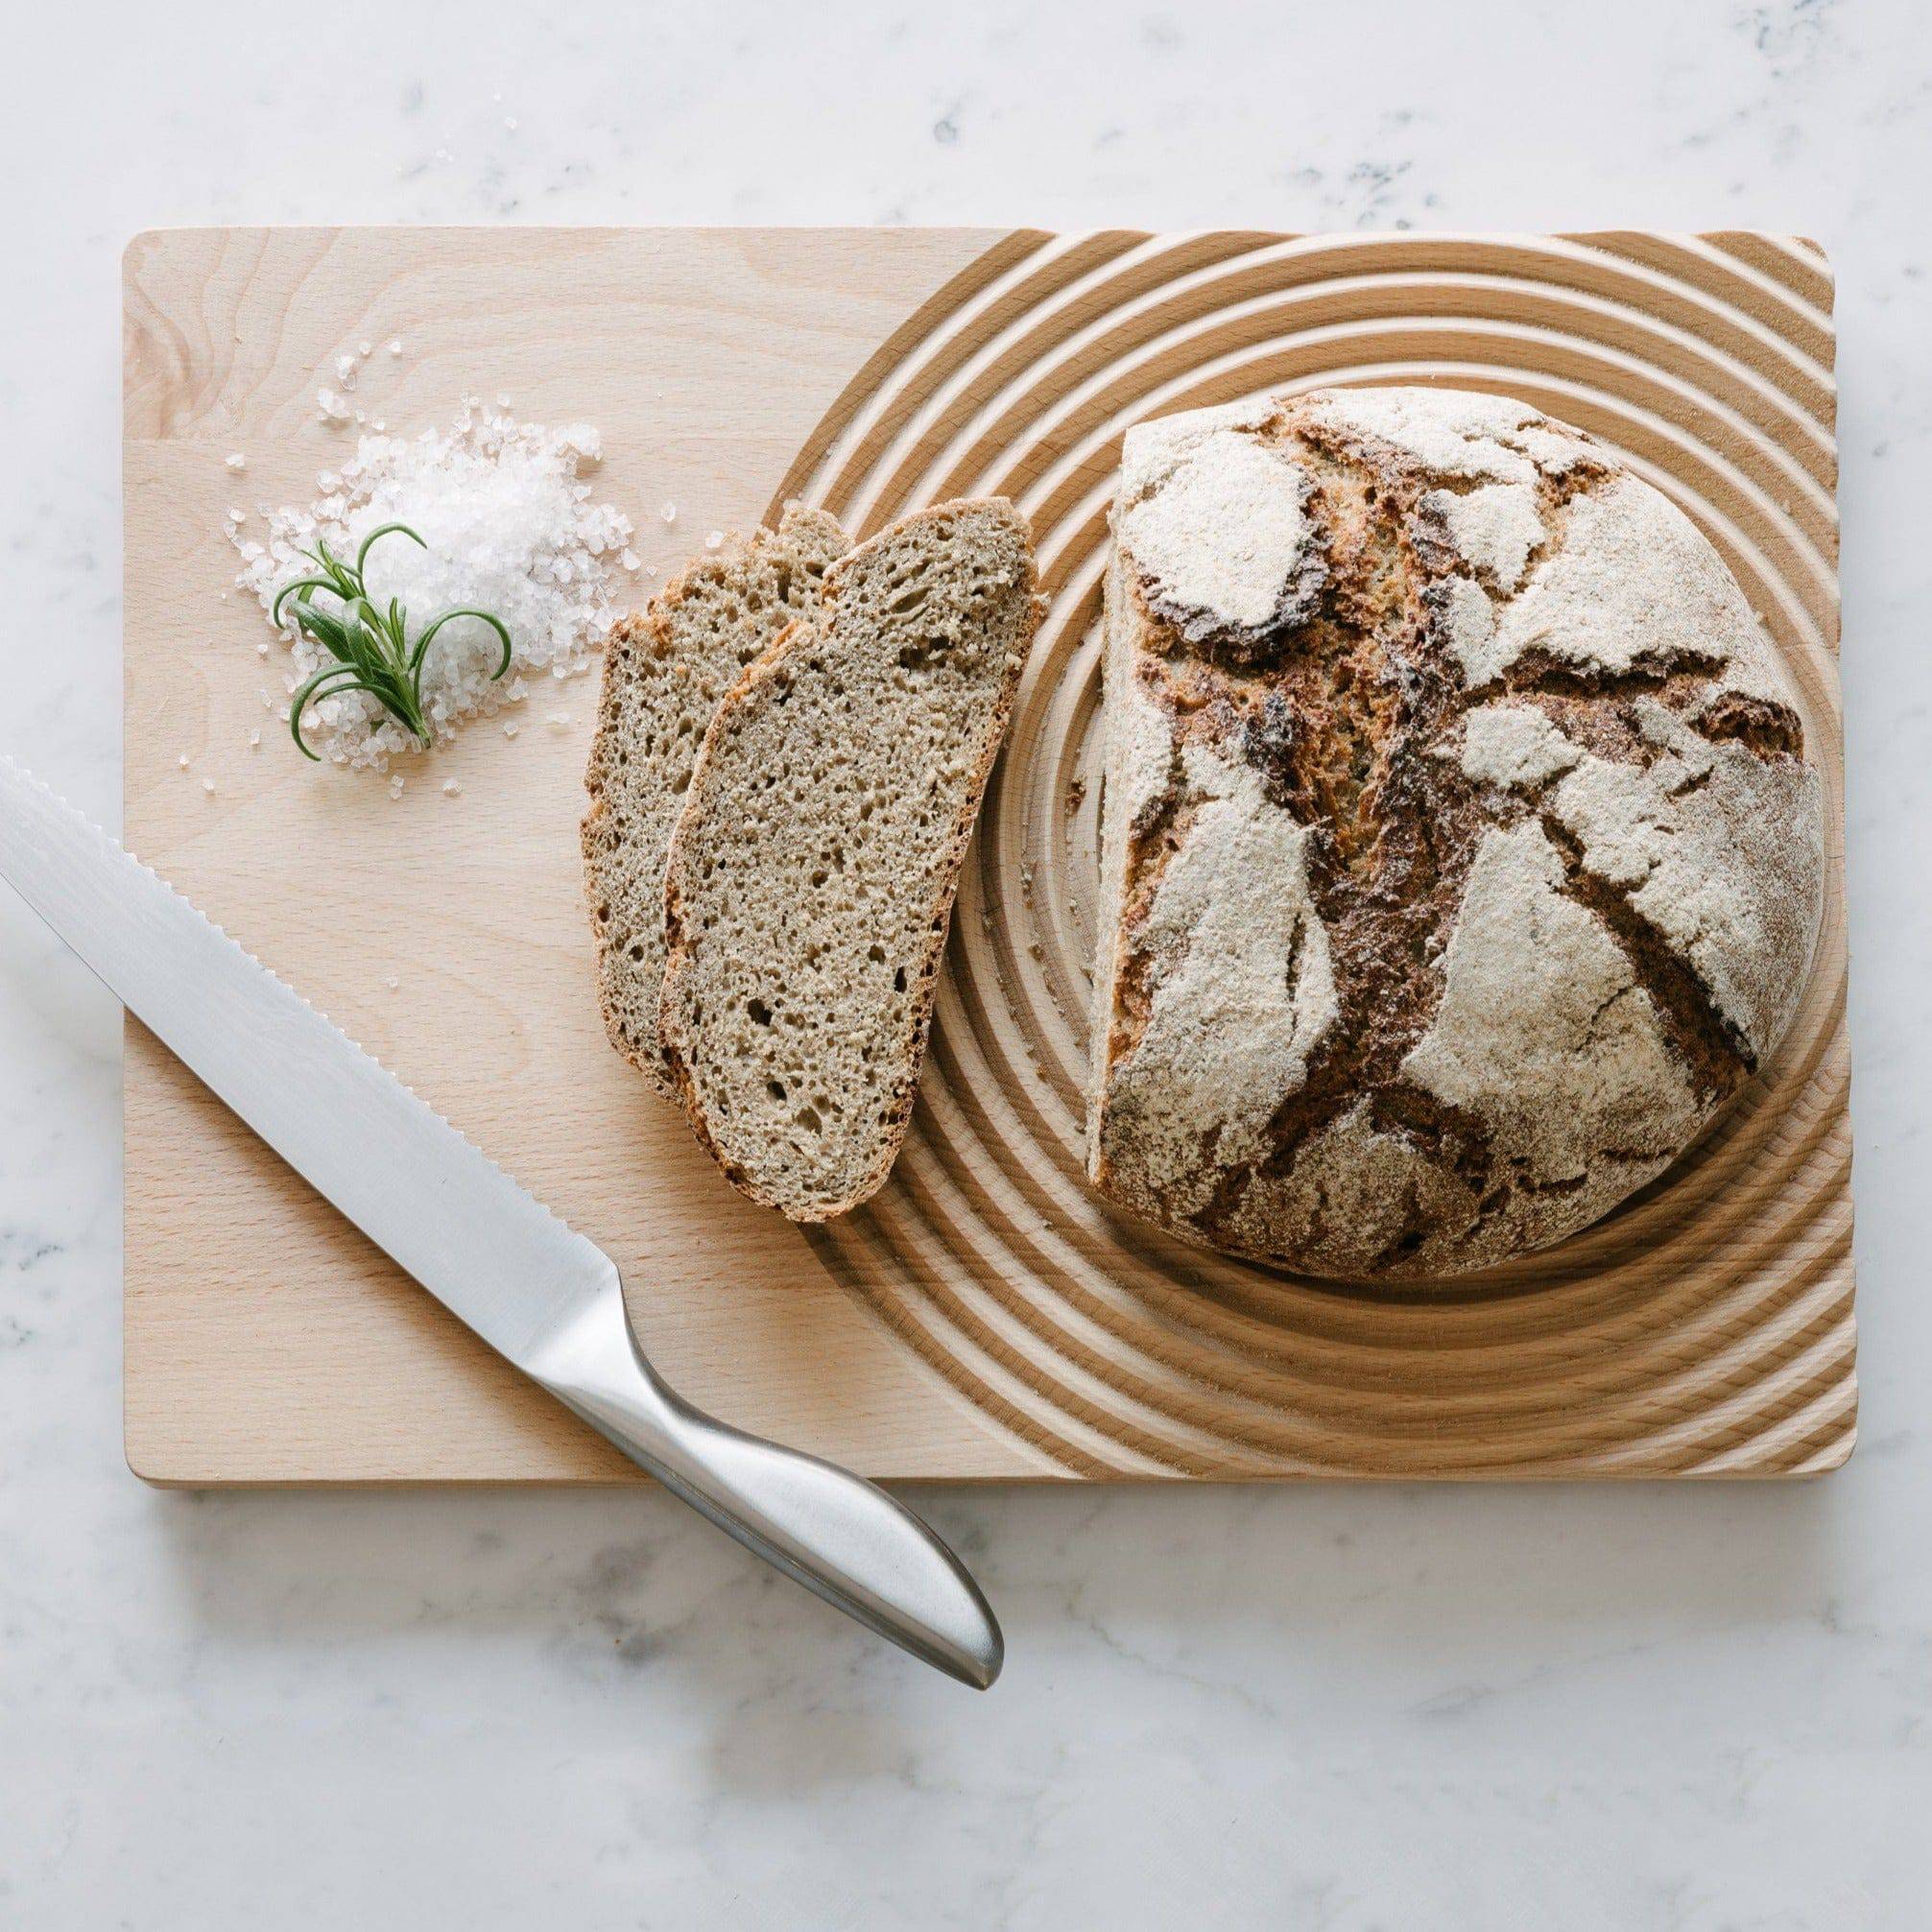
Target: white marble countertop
<point>1571,1707</point>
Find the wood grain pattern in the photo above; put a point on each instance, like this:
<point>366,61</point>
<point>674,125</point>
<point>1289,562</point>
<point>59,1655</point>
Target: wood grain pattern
<point>983,1317</point>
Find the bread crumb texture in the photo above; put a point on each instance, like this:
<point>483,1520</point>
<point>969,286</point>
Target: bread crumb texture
<point>1460,851</point>
<point>665,672</point>
<point>812,872</point>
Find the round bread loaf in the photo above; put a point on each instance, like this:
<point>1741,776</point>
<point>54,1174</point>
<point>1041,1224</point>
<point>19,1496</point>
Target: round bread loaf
<point>1460,855</point>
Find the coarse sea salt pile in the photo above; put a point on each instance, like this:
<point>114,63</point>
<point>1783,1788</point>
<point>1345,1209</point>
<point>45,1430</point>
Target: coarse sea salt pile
<point>509,528</point>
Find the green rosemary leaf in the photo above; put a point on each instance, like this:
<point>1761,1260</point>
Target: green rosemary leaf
<point>289,590</point>
<point>370,645</point>
<point>430,630</point>
<point>312,690</point>
<point>322,627</point>
<point>384,530</point>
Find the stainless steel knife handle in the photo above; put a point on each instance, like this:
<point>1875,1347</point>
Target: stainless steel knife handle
<point>837,1533</point>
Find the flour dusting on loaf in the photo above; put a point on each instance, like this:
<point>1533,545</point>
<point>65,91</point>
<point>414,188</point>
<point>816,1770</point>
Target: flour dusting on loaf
<point>1542,1025</point>
<point>1245,992</point>
<point>1219,532</point>
<point>1460,854</point>
<point>1495,527</point>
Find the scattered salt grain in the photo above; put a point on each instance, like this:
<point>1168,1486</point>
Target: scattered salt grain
<point>331,407</point>
<point>208,784</point>
<point>669,513</point>
<point>255,741</point>
<point>395,346</point>
<point>365,349</point>
<point>509,122</point>
<point>557,720</point>
<point>236,462</point>
<point>237,515</point>
<point>396,786</point>
<point>182,761</point>
<point>345,371</point>
<point>391,980</point>
<point>509,529</point>
<point>510,731</point>
<point>451,788</point>
<point>715,542</point>
<point>261,650</point>
<point>628,559</point>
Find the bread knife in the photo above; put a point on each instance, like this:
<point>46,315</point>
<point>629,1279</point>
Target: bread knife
<point>544,1297</point>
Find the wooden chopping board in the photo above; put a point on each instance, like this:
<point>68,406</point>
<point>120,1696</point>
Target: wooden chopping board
<point>983,1317</point>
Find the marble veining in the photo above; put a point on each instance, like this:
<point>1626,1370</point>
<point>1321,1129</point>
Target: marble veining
<point>1694,1708</point>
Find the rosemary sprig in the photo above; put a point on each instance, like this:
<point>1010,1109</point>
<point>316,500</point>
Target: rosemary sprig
<point>368,643</point>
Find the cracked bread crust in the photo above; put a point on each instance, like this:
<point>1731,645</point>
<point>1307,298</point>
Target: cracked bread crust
<point>1459,853</point>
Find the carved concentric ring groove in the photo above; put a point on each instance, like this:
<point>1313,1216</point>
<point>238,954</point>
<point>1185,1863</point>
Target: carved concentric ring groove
<point>1706,1327</point>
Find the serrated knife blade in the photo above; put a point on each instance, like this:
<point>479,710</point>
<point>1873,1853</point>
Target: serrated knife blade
<point>540,1294</point>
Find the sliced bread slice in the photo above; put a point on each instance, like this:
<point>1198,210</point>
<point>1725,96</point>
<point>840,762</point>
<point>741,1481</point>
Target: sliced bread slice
<point>813,869</point>
<point>664,672</point>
